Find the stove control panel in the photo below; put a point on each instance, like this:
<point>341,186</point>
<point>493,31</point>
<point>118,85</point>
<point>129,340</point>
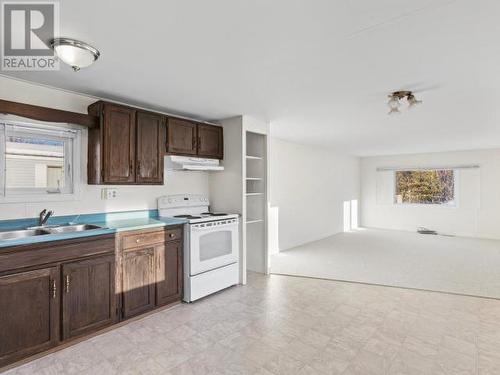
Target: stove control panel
<point>182,200</point>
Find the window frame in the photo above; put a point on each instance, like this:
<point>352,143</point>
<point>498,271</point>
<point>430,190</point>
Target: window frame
<point>455,203</point>
<point>71,136</point>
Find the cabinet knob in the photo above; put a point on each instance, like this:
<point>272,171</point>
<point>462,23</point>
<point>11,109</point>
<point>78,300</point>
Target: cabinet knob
<point>137,240</point>
<point>171,235</point>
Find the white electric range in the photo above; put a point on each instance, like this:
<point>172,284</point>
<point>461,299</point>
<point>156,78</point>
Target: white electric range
<point>211,244</point>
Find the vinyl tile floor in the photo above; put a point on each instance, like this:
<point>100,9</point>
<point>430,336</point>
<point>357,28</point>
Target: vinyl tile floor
<point>291,325</point>
<point>460,265</point>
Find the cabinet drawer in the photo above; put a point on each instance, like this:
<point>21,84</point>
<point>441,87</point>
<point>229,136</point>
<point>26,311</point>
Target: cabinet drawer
<point>142,239</point>
<point>30,255</point>
<point>173,234</point>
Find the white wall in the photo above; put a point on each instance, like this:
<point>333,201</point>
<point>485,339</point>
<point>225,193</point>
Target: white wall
<point>309,186</point>
<point>476,214</point>
<point>89,201</point>
<point>226,187</point>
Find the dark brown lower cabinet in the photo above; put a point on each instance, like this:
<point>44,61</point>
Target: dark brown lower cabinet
<point>151,269</point>
<point>29,313</point>
<point>169,273</point>
<point>88,296</point>
<point>81,291</point>
<point>138,281</point>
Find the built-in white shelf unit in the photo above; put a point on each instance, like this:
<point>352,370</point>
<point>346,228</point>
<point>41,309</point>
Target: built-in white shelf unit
<point>256,200</point>
<point>243,188</point>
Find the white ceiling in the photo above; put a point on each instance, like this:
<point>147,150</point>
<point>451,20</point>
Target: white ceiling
<point>319,70</point>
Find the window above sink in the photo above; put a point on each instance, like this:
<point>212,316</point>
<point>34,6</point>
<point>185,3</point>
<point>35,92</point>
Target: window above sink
<point>38,162</point>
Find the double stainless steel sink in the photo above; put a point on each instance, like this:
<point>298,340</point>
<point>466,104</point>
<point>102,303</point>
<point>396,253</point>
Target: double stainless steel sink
<point>74,228</point>
<point>40,231</point>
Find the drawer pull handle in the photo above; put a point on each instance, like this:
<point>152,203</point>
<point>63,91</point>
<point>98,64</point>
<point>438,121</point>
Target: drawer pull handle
<point>171,235</point>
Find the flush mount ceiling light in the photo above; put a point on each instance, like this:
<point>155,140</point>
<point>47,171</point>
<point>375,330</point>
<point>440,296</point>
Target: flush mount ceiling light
<point>396,97</point>
<point>74,53</point>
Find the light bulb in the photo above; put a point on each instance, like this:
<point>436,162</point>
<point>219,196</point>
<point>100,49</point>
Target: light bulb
<point>412,101</point>
<point>393,102</point>
<point>394,111</point>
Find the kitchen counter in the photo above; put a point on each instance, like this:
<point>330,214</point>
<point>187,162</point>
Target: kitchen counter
<point>111,223</point>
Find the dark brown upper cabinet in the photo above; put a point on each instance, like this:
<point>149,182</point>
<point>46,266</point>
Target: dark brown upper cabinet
<point>210,141</point>
<point>119,144</point>
<point>193,139</point>
<point>150,148</point>
<point>182,135</point>
<point>128,146</point>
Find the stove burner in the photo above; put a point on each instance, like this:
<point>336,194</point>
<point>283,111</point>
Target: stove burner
<point>187,217</point>
<point>214,214</point>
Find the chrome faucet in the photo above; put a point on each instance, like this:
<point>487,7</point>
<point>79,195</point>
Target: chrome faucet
<point>44,216</point>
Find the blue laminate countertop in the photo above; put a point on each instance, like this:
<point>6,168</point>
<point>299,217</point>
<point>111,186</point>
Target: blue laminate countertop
<point>111,222</point>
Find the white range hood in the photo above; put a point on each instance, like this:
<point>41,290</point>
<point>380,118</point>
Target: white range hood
<point>187,163</point>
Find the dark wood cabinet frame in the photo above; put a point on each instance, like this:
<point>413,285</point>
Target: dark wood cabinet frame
<point>47,114</point>
<point>206,140</point>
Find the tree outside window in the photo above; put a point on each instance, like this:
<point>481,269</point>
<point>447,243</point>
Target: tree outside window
<point>425,187</point>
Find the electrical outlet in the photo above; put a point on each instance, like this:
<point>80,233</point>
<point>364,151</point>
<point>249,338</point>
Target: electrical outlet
<point>109,193</point>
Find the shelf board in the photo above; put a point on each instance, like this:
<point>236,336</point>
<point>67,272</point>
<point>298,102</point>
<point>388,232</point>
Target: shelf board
<point>253,194</point>
<point>250,157</point>
<point>254,178</point>
<point>252,221</point>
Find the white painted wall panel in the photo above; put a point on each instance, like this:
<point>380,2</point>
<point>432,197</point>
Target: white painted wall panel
<point>309,186</point>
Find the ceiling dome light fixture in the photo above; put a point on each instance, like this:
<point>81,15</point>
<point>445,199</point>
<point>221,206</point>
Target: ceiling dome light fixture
<point>395,101</point>
<point>74,53</point>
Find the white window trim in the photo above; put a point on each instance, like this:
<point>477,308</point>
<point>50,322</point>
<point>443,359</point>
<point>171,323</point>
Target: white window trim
<point>456,195</point>
<point>36,196</point>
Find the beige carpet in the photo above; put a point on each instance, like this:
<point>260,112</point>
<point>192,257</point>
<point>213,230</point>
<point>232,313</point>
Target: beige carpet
<point>448,264</point>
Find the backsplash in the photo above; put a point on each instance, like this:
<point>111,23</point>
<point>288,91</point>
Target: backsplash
<point>129,198</point>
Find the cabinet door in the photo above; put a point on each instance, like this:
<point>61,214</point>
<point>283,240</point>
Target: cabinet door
<point>181,137</point>
<point>118,144</point>
<point>138,281</point>
<point>210,142</point>
<point>89,301</point>
<point>169,273</point>
<point>29,313</point>
<point>150,148</point>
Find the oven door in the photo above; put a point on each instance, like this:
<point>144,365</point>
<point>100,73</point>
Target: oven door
<point>213,245</point>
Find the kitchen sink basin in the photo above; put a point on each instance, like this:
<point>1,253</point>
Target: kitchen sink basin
<point>15,234</point>
<point>74,228</point>
<point>39,231</point>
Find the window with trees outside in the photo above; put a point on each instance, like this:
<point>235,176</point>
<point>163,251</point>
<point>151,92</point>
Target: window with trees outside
<point>434,187</point>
